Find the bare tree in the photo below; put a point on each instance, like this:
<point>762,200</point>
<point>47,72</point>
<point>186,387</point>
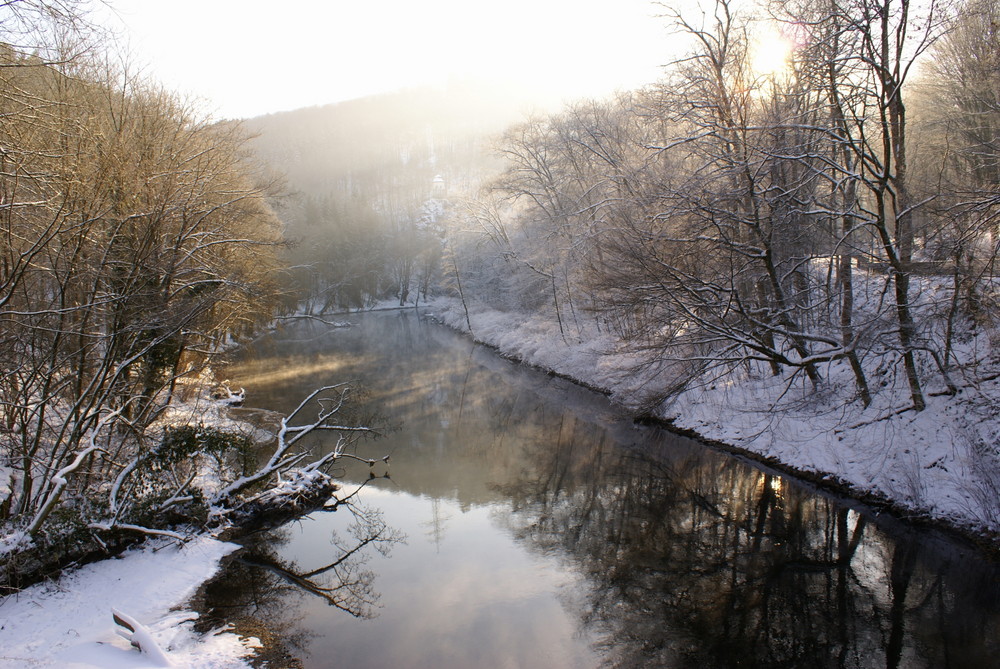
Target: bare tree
<point>723,255</point>
<point>869,49</point>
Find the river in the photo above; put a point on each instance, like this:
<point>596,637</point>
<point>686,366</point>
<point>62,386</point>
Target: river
<point>523,521</point>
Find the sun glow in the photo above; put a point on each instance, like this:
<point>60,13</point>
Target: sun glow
<point>771,54</point>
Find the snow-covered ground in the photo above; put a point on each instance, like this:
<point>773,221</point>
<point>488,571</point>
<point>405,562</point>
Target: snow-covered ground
<point>68,623</point>
<point>941,463</point>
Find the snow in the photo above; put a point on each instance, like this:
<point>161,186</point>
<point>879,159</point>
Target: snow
<point>14,540</point>
<point>295,484</point>
<point>10,541</point>
<point>68,623</point>
<point>199,407</point>
<point>941,463</point>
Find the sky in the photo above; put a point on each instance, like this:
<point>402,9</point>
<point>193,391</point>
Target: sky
<point>244,58</point>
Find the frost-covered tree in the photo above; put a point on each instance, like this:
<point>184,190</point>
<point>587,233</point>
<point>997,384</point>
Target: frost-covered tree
<point>738,220</point>
<point>957,107</point>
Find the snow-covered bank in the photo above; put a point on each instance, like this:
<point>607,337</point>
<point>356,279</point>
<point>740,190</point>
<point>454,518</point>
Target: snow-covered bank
<point>68,623</point>
<point>87,617</point>
<point>940,464</point>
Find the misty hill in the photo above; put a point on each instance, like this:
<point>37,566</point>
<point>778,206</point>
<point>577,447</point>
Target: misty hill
<point>363,174</point>
<point>362,146</point>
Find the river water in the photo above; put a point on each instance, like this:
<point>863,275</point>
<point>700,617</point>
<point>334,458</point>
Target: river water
<point>526,522</point>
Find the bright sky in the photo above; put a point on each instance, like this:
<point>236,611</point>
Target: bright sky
<point>249,57</point>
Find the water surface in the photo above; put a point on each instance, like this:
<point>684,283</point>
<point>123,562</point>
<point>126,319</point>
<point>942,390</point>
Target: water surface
<point>526,522</point>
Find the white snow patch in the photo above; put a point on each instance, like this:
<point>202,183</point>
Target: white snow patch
<point>68,623</point>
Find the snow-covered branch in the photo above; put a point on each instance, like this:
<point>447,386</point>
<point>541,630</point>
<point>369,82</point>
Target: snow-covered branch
<point>284,457</point>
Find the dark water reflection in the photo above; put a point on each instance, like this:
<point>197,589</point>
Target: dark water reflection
<point>543,529</point>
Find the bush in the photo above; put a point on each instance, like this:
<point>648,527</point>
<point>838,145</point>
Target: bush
<point>169,470</point>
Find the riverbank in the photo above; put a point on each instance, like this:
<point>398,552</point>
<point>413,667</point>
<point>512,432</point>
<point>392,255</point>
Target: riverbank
<point>939,466</point>
<point>68,622</point>
<point>68,618</point>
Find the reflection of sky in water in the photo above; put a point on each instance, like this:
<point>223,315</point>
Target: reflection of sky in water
<point>465,596</point>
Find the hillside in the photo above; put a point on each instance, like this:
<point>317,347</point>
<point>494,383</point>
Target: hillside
<point>353,145</point>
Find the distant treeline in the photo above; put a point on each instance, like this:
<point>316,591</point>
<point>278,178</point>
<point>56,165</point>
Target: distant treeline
<point>368,180</point>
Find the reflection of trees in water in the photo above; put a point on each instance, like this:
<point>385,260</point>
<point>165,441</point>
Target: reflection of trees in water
<point>696,562</point>
<point>343,583</point>
<point>257,583</point>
